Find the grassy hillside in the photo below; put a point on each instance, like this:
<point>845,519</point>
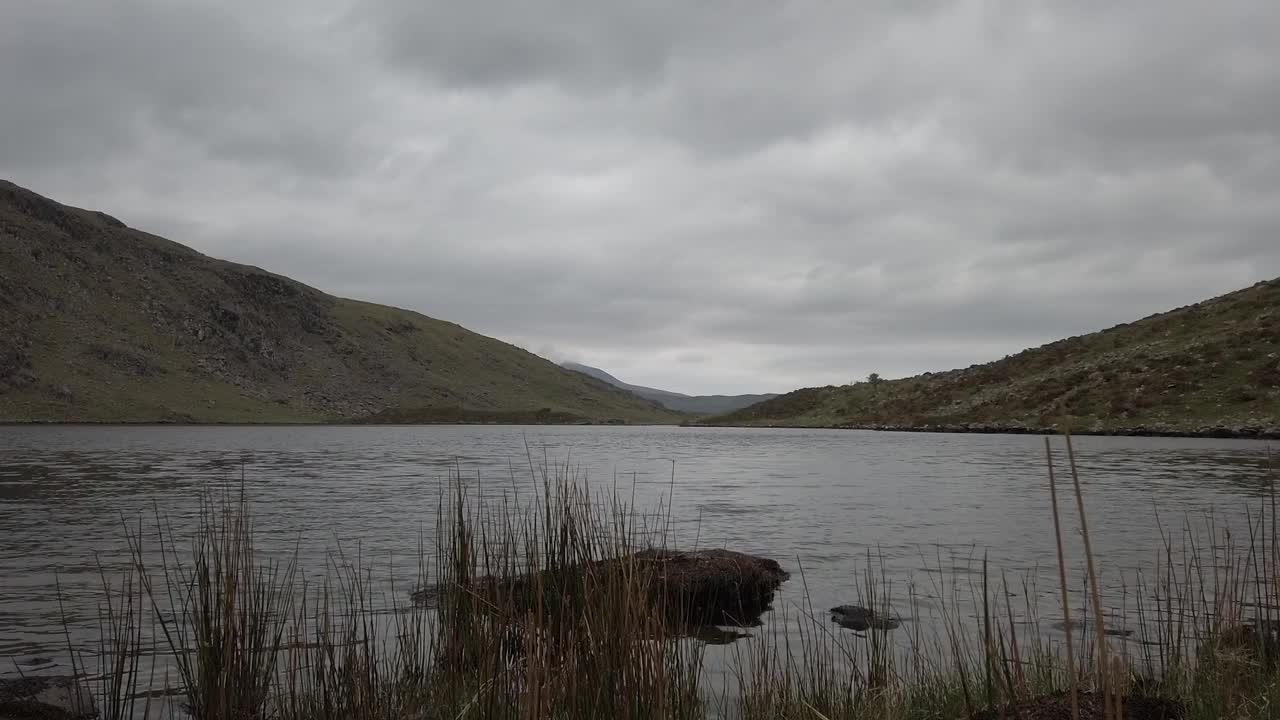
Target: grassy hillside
<point>100,322</point>
<point>692,404</point>
<point>1211,368</point>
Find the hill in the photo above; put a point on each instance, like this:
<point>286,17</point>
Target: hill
<point>1207,369</point>
<point>693,404</point>
<point>103,323</point>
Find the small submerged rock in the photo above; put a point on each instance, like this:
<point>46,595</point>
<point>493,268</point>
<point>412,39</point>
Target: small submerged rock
<point>858,618</point>
<point>715,635</point>
<point>1058,706</point>
<point>48,698</point>
<point>1087,626</point>
<point>427,596</point>
<point>1247,638</point>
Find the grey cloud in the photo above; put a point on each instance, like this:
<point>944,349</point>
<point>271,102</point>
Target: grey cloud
<point>94,81</point>
<point>586,45</point>
<point>506,43</point>
<point>715,197</point>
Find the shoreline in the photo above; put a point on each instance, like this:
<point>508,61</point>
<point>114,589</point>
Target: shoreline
<point>1204,433</point>
<point>318,423</point>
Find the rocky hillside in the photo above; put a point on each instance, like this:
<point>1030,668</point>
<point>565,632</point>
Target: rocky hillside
<point>103,323</point>
<point>692,404</point>
<point>1207,369</point>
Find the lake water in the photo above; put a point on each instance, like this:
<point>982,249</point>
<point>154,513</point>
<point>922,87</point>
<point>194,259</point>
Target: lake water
<point>926,506</point>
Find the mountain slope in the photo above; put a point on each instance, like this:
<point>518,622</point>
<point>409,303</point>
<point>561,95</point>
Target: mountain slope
<point>1212,368</point>
<point>101,322</point>
<point>696,404</point>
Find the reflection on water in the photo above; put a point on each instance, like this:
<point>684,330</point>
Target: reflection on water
<point>921,509</point>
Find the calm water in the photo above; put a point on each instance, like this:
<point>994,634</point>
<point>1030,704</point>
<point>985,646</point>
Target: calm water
<point>929,505</point>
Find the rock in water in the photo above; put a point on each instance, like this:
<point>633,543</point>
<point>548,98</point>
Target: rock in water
<point>713,587</point>
<point>1058,705</point>
<point>1087,626</point>
<point>426,596</point>
<point>698,588</point>
<point>1252,640</point>
<point>47,698</point>
<point>858,618</point>
<point>715,635</point>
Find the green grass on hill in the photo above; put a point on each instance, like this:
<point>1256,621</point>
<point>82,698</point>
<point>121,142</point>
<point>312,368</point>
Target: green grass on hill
<point>1211,368</point>
<point>103,323</point>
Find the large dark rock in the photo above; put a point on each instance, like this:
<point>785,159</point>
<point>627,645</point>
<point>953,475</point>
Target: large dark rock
<point>698,588</point>
<point>714,587</point>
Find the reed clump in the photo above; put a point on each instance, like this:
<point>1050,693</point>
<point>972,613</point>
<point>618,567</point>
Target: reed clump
<point>550,607</point>
<point>1199,640</point>
<point>561,603</point>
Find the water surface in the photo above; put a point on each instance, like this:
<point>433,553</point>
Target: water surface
<point>924,507</point>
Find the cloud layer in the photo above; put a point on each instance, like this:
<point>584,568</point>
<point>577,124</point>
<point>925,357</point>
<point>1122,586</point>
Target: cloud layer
<point>712,197</point>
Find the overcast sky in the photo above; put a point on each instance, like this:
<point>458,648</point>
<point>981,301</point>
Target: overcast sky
<point>703,196</point>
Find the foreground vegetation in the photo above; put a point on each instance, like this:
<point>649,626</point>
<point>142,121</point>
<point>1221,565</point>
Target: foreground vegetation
<point>104,323</point>
<point>543,608</point>
<point>1211,369</point>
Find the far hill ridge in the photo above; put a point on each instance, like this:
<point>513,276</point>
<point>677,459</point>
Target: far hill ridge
<point>1210,369</point>
<point>693,404</point>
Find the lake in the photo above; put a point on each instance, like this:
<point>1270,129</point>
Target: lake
<point>923,507</point>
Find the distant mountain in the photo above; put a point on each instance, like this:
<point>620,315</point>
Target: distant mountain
<point>695,404</point>
<point>103,323</point>
<point>1208,369</point>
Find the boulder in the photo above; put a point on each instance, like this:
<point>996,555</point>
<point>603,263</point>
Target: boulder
<point>714,587</point>
<point>699,588</point>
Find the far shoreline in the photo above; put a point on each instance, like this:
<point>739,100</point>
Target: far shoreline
<point>317,424</point>
<point>1206,433</point>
